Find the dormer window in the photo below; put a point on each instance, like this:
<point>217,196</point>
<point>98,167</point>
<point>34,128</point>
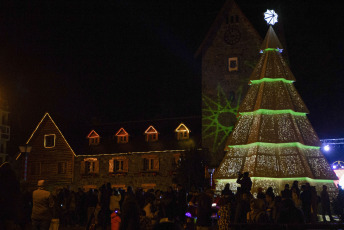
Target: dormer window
<point>49,140</point>
<point>151,134</point>
<point>93,138</point>
<point>122,136</point>
<point>182,132</point>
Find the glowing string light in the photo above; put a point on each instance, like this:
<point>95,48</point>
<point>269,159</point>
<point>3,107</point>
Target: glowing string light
<point>273,112</point>
<point>274,145</point>
<point>270,80</point>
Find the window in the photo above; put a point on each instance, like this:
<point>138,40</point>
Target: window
<point>90,166</point>
<point>152,137</point>
<point>62,167</point>
<point>93,138</point>
<point>150,163</point>
<point>233,64</point>
<point>118,164</point>
<point>49,140</point>
<point>151,134</point>
<point>182,132</point>
<point>122,136</point>
<point>35,168</point>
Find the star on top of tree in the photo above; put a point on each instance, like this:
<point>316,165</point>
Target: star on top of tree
<point>270,16</point>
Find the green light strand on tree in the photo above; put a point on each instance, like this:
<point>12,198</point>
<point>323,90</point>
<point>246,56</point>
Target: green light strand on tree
<point>274,112</point>
<point>275,145</point>
<point>252,82</point>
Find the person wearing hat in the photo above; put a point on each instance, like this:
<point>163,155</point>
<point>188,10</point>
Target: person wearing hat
<point>41,210</point>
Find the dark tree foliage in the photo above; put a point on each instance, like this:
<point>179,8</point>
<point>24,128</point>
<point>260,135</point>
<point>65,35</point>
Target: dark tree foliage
<point>191,169</point>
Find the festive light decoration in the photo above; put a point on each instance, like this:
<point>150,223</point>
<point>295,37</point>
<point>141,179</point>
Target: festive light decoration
<point>46,115</point>
<point>273,139</point>
<point>273,112</point>
<point>182,128</point>
<point>271,49</point>
<point>46,143</point>
<point>93,134</point>
<point>338,165</point>
<point>270,17</point>
<point>275,145</point>
<point>270,80</point>
<point>151,130</point>
<point>219,117</point>
<point>327,148</point>
<point>122,132</point>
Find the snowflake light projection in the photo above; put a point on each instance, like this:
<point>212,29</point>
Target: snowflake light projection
<point>219,117</point>
<point>271,17</point>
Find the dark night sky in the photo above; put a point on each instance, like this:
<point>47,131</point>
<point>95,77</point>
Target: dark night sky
<point>130,60</point>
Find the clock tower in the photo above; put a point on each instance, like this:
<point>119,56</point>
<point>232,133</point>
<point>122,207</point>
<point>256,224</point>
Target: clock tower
<point>229,53</point>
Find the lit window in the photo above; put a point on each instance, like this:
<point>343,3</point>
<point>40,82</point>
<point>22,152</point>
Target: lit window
<point>93,138</point>
<point>182,132</point>
<point>122,136</point>
<point>233,64</point>
<point>62,167</point>
<point>90,166</point>
<point>49,141</point>
<point>151,134</point>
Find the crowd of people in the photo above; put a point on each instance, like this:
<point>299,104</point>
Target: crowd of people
<point>172,209</point>
<point>155,209</point>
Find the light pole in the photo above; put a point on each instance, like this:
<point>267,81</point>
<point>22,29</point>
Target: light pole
<point>211,172</point>
<point>25,150</point>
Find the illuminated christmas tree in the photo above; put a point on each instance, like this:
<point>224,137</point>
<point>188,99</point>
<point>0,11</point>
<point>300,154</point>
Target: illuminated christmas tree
<point>273,139</point>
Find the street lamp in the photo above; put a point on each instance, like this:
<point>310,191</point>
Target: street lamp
<point>25,150</point>
<point>211,172</point>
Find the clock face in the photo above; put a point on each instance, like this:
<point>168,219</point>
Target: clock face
<point>232,36</point>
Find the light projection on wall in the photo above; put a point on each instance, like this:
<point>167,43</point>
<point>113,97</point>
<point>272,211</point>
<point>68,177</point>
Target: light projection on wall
<point>219,117</point>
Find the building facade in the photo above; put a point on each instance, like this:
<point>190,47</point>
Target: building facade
<point>228,55</point>
<point>137,154</point>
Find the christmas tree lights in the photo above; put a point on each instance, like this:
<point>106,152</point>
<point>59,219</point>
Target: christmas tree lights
<point>273,139</point>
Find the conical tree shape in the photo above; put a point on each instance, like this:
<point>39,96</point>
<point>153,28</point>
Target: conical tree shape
<point>273,139</point>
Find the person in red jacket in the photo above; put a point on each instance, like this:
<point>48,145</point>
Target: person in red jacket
<point>115,220</point>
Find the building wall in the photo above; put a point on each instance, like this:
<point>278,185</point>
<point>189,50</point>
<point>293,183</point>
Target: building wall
<point>135,177</point>
<point>222,90</point>
<point>49,158</point>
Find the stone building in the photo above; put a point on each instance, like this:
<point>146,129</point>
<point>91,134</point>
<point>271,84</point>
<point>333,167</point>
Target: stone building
<point>228,54</point>
<point>138,154</point>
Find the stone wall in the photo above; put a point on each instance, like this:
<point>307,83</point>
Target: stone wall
<point>222,90</point>
<point>135,177</point>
